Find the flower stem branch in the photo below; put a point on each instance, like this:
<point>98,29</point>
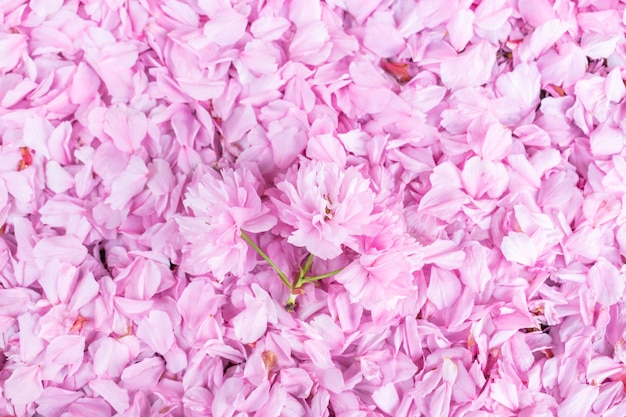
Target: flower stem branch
<point>294,289</point>
<point>258,250</point>
<point>319,277</point>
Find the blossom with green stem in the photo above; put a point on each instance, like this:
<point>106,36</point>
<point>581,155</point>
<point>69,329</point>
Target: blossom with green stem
<point>295,288</point>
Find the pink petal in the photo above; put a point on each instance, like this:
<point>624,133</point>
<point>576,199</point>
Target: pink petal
<point>606,140</point>
<point>536,12</point>
<point>94,407</point>
<point>601,368</point>
<point>58,179</point>
<point>598,46</point>
<point>24,385</point>
<point>251,323</point>
<point>128,184</point>
<point>491,14</point>
<point>443,253</point>
<point>85,84</point>
<point>66,350</point>
<point>225,27</point>
<point>12,46</point>
<point>442,202</point>
<point>157,331</point>
<point>54,401</point>
<point>110,357</point>
<point>63,248</point>
<point>477,60</point>
<point>565,67</point>
<point>381,35</point>
<point>519,247</point>
<point>522,85</point>
<point>387,399</point>
<point>543,37</point>
<point>444,288</point>
<point>461,29</point>
<point>143,375</point>
<point>13,301</point>
<point>606,283</point>
<point>31,344</point>
<point>127,127</point>
<point>269,28</point>
<point>296,382</point>
<point>506,393</point>
<point>578,403</point>
<point>112,393</point>
<point>310,44</point>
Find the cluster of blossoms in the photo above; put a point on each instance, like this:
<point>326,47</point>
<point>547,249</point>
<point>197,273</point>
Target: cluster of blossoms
<point>349,208</point>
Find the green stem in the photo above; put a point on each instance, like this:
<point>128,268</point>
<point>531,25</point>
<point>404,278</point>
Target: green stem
<point>304,271</point>
<point>258,250</point>
<point>319,277</point>
<point>307,265</point>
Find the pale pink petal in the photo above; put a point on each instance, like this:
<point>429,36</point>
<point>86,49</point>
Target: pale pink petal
<point>536,12</point>
<point>112,393</point>
<point>66,350</point>
<point>85,84</point>
<point>578,403</point>
<point>444,288</point>
<point>601,368</point>
<point>157,331</point>
<point>58,179</point>
<point>542,38</point>
<point>597,45</point>
<point>12,46</point>
<point>225,27</point>
<point>606,283</point>
<point>14,301</point>
<point>522,85</point>
<point>460,29</point>
<point>31,344</point>
<point>110,357</point>
<point>381,35</point>
<point>506,393</point>
<point>310,44</point>
<point>24,385</point>
<point>615,88</point>
<point>442,202</point>
<point>564,67</point>
<point>54,401</point>
<point>606,140</point>
<point>127,127</point>
<point>386,397</point>
<point>296,381</point>
<point>443,253</point>
<point>519,247</point>
<point>143,375</point>
<point>128,184</point>
<point>269,28</point>
<point>251,323</point>
<point>63,248</point>
<point>477,61</point>
<point>492,14</point>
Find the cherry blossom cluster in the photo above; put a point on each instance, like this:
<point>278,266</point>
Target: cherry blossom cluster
<point>350,208</point>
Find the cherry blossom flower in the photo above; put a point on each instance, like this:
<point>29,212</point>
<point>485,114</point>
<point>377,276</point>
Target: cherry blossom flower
<point>223,205</point>
<point>325,206</point>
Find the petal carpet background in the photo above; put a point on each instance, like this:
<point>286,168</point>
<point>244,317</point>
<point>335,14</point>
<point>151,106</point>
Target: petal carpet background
<point>347,208</point>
